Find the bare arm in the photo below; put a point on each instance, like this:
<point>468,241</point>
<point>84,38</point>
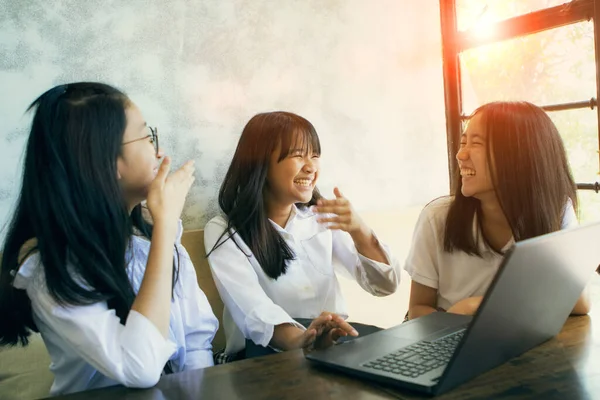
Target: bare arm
<point>154,297</point>
<point>423,300</point>
<point>583,305</point>
<point>287,337</point>
<point>166,197</point>
<point>367,244</point>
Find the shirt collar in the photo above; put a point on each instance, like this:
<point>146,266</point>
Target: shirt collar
<point>295,215</point>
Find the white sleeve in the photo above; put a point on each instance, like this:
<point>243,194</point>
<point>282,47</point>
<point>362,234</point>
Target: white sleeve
<point>377,278</point>
<point>199,321</point>
<point>255,314</point>
<point>569,219</point>
<point>421,263</point>
<point>133,354</point>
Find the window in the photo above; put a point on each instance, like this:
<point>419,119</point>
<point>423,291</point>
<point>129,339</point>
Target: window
<point>470,13</point>
<point>542,51</point>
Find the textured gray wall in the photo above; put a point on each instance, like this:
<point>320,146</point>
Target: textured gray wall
<point>366,73</point>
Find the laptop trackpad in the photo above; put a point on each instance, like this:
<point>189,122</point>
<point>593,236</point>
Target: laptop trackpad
<point>420,328</point>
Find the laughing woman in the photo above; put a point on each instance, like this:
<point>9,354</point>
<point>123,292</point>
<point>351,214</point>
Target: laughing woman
<point>514,184</point>
<point>275,252</point>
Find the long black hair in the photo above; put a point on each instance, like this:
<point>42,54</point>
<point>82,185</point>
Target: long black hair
<point>72,205</point>
<point>241,194</point>
<point>531,176</point>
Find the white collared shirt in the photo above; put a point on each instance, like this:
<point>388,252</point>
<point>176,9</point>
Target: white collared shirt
<point>90,348</point>
<point>255,303</point>
<point>456,275</point>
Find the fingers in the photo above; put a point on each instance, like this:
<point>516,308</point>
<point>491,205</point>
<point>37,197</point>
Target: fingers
<point>337,193</point>
<point>191,182</point>
<point>341,201</point>
<point>163,170</point>
<point>325,330</point>
<point>308,338</point>
<point>338,227</point>
<point>186,170</point>
<point>335,209</point>
<point>337,213</point>
<point>329,338</point>
<point>335,334</point>
<point>184,175</point>
<point>339,205</point>
<point>344,326</point>
<point>189,169</point>
<point>343,222</point>
<point>319,324</point>
<point>328,321</point>
<point>336,219</point>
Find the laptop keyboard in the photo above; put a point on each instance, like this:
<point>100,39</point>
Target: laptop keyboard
<point>419,358</point>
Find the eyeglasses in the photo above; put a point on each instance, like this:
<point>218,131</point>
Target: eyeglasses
<point>153,136</point>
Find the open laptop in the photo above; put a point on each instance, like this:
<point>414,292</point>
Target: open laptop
<point>527,303</point>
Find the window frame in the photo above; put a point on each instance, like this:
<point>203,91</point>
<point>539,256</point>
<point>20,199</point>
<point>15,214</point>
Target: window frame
<point>454,42</point>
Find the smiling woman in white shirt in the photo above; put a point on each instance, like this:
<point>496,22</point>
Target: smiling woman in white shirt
<point>114,297</point>
<point>513,183</point>
<point>275,252</point>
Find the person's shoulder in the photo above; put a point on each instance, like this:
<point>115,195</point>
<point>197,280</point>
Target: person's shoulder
<point>569,216</point>
<point>216,234</point>
<point>30,268</point>
<point>437,209</point>
<point>217,222</point>
<point>28,249</point>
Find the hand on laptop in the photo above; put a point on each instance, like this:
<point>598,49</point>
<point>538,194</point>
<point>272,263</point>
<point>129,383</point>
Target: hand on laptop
<point>466,306</point>
<point>325,330</point>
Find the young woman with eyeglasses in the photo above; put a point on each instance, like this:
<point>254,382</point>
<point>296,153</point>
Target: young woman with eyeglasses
<point>114,297</point>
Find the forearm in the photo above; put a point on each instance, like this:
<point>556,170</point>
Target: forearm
<point>419,311</point>
<point>583,305</point>
<point>286,337</point>
<point>154,297</point>
<point>367,244</point>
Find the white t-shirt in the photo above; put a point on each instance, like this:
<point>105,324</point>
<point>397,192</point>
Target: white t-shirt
<point>255,303</point>
<point>90,348</point>
<point>456,275</point>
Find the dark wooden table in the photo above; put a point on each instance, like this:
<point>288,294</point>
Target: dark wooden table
<point>567,367</point>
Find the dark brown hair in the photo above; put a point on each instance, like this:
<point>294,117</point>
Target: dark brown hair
<point>531,176</point>
<point>241,194</point>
